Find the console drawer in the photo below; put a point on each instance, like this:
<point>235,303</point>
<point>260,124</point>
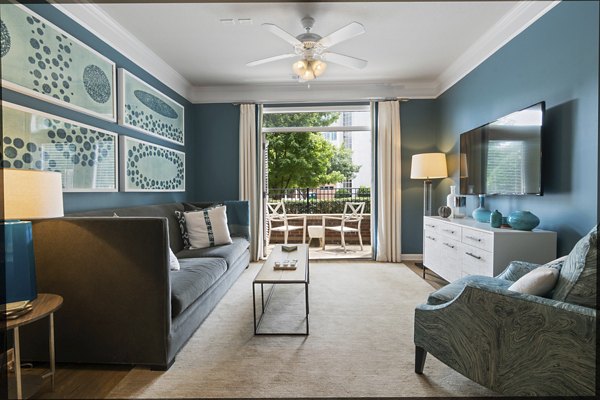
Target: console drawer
<point>479,239</point>
<point>450,230</point>
<point>476,261</point>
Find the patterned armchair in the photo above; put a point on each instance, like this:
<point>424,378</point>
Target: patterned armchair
<point>513,343</point>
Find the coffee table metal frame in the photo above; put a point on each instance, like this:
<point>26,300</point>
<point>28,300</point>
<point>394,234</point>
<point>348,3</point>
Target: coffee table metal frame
<point>280,277</point>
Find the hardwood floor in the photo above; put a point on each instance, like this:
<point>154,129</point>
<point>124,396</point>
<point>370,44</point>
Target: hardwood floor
<point>85,381</point>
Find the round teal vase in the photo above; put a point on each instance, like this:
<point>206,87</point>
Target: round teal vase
<point>481,214</point>
<point>496,219</point>
<point>523,220</point>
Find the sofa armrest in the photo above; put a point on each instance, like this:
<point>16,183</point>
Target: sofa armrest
<point>113,274</point>
<point>238,217</point>
<point>513,343</point>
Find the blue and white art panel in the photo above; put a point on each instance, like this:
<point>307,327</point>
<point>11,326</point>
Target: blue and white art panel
<point>41,60</point>
<point>85,156</point>
<point>148,167</point>
<point>147,110</point>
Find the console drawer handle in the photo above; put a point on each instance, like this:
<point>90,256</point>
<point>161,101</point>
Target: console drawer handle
<point>473,238</point>
<point>448,230</point>
<point>449,245</point>
<point>473,255</point>
<point>429,225</point>
<point>429,237</point>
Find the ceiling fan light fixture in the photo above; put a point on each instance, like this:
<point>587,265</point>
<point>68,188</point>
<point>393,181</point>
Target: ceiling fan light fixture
<point>318,67</point>
<point>300,67</point>
<point>308,75</point>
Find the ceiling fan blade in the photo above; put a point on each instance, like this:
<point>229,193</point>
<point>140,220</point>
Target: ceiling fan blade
<point>288,37</point>
<point>349,31</point>
<point>346,61</point>
<point>271,59</point>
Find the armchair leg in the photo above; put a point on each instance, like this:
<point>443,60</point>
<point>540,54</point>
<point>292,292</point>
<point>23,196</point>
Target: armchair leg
<point>420,355</point>
<point>343,241</point>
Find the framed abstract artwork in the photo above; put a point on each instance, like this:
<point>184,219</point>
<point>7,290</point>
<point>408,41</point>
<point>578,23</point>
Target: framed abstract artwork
<point>43,61</point>
<point>85,156</point>
<point>148,167</point>
<point>147,110</point>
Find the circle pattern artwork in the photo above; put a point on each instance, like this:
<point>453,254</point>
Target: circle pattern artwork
<point>39,57</point>
<point>96,84</point>
<point>62,147</point>
<point>146,121</point>
<point>140,180</point>
<point>155,104</point>
<point>4,39</point>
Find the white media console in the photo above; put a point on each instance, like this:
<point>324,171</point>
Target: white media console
<point>453,248</point>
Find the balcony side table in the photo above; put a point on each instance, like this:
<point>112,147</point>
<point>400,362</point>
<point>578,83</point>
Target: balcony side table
<point>44,306</point>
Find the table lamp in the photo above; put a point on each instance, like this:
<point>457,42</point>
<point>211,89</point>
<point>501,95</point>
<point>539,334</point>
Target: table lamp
<point>428,166</point>
<point>26,195</point>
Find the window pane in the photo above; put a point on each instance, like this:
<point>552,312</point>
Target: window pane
<point>317,119</point>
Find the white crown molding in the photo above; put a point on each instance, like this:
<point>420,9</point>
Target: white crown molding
<point>94,19</point>
<point>514,22</point>
<point>315,92</point>
<point>102,25</point>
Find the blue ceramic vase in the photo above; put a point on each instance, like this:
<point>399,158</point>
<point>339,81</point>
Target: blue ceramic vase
<point>496,219</point>
<point>523,220</point>
<point>481,214</point>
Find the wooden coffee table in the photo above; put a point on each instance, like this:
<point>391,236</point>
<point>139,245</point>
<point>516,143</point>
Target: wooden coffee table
<point>269,275</point>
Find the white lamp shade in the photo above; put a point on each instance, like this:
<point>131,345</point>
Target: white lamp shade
<point>31,194</point>
<point>428,166</point>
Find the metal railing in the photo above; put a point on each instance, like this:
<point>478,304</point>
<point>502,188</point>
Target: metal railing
<point>322,200</point>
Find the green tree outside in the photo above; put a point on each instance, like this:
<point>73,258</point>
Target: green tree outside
<point>307,159</point>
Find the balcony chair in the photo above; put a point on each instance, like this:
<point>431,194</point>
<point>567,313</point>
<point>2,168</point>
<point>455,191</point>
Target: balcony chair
<point>513,343</point>
<point>276,213</point>
<point>353,212</point>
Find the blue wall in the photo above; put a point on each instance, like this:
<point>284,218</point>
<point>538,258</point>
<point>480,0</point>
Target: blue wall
<point>419,125</point>
<point>88,201</point>
<point>216,151</point>
<point>555,60</point>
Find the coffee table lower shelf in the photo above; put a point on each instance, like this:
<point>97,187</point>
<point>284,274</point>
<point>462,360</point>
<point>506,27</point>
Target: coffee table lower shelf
<point>269,276</point>
<point>265,304</point>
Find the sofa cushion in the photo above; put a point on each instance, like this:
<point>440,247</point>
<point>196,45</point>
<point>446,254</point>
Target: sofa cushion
<point>194,278</point>
<point>577,280</point>
<point>229,252</point>
<point>208,227</point>
<point>450,291</point>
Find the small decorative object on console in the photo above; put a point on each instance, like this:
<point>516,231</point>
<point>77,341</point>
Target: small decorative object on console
<point>444,211</point>
<point>523,220</point>
<point>481,214</point>
<point>450,198</point>
<point>459,208</point>
<point>496,219</point>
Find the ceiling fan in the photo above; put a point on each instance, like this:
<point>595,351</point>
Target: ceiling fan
<point>313,49</point>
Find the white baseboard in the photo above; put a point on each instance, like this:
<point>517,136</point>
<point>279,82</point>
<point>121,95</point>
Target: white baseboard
<point>412,257</point>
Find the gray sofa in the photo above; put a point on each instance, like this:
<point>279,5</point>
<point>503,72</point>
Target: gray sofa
<point>122,304</point>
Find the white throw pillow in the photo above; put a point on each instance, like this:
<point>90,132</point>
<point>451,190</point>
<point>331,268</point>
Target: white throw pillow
<point>208,227</point>
<point>173,261</point>
<point>537,282</point>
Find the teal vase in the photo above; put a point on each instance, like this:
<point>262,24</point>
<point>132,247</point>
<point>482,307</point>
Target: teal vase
<point>496,219</point>
<point>481,214</point>
<point>523,220</point>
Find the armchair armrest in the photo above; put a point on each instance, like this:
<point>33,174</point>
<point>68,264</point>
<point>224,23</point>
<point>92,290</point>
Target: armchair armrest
<point>516,269</point>
<point>513,343</point>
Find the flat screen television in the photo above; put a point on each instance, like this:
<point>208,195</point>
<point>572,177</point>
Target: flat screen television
<point>504,157</point>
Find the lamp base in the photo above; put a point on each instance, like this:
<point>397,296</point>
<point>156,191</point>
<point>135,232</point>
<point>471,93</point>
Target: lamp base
<point>17,266</point>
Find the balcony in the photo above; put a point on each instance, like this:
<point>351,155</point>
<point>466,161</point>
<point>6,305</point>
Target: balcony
<point>316,203</point>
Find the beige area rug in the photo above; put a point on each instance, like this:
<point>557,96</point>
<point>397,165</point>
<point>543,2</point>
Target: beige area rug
<point>360,343</point>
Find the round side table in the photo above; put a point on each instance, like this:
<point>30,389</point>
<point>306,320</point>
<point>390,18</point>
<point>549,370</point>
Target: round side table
<point>44,306</point>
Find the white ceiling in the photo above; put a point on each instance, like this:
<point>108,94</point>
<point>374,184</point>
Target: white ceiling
<point>414,49</point>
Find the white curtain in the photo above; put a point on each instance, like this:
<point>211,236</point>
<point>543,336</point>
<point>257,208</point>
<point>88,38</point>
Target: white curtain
<point>249,179</point>
<point>388,183</point>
